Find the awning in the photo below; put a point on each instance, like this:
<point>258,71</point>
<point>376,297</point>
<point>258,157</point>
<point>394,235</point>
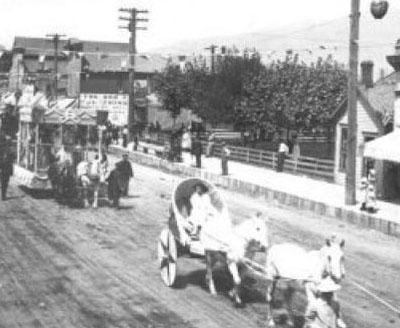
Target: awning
<point>385,148</point>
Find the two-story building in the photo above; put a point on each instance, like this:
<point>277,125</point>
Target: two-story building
<point>95,72</point>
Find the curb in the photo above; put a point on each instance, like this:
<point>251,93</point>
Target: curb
<point>354,217</point>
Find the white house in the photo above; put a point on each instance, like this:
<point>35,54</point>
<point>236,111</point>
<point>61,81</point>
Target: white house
<point>375,109</point>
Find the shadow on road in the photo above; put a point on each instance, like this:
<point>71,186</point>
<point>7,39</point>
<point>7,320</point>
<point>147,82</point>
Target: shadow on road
<point>251,292</point>
<point>37,193</point>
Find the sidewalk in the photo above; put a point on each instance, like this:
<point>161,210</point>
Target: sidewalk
<point>297,191</point>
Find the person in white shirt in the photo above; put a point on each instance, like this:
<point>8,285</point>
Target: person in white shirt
<point>201,207</point>
<point>94,168</point>
<point>186,141</point>
<point>63,156</point>
<point>282,153</point>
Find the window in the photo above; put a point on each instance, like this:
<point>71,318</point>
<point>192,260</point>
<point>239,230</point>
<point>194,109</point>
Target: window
<point>343,148</point>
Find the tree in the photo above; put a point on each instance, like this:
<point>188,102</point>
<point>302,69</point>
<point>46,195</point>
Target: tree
<point>292,95</point>
<point>172,87</point>
<point>215,95</point>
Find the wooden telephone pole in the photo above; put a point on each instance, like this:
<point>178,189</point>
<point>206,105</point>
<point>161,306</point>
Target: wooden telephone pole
<point>132,27</point>
<point>350,192</point>
<point>56,39</point>
<point>212,49</point>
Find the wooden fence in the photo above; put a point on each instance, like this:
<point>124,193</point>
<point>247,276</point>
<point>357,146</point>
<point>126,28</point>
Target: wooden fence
<point>309,166</point>
<point>313,167</point>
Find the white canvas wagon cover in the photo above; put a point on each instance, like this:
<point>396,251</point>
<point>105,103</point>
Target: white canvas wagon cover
<point>216,232</point>
<point>385,148</point>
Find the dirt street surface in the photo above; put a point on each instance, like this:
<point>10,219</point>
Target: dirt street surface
<point>62,267</point>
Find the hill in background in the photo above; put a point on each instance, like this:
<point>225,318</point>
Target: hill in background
<point>377,40</point>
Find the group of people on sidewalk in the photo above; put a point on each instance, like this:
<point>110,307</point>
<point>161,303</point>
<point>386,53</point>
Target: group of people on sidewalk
<point>195,147</point>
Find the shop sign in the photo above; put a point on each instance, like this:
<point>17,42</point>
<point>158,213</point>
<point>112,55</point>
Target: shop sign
<point>115,104</point>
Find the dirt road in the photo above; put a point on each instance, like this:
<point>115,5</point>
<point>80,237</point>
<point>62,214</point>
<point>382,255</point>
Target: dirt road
<point>62,267</point>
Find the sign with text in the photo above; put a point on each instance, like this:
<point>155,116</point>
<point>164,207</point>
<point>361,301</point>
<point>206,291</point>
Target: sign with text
<point>115,104</point>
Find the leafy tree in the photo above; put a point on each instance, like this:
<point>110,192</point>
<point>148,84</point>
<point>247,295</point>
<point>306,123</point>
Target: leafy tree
<point>290,94</point>
<point>172,87</point>
<point>216,94</point>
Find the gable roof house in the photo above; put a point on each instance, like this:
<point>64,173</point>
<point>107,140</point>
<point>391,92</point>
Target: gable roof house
<point>375,118</point>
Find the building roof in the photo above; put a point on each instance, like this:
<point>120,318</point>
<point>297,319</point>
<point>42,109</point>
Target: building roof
<point>102,56</point>
<point>373,113</point>
<point>40,46</point>
<point>116,63</point>
<point>381,96</point>
<point>104,46</point>
<point>29,43</point>
<point>378,100</point>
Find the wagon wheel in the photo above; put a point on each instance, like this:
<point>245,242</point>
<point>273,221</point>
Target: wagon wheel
<point>167,257</point>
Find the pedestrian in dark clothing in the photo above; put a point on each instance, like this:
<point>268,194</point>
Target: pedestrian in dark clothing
<point>125,137</point>
<point>125,168</point>
<point>7,170</point>
<point>290,145</point>
<point>115,135</point>
<point>114,186</point>
<point>197,151</point>
<point>135,142</point>
<point>224,158</point>
<point>108,139</point>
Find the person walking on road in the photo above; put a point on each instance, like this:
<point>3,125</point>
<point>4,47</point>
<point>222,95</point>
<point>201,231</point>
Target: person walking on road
<point>7,170</point>
<point>224,158</point>
<point>125,168</point>
<point>115,185</point>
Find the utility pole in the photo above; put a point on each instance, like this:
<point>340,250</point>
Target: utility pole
<point>132,27</point>
<point>212,49</point>
<point>350,192</point>
<point>56,39</point>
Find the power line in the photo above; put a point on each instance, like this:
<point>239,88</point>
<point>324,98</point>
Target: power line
<point>212,49</point>
<point>56,39</point>
<point>133,19</point>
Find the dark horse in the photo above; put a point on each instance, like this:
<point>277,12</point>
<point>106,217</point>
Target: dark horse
<point>63,181</point>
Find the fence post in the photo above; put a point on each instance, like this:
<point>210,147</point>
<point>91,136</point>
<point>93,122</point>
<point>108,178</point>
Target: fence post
<point>273,161</point>
<point>316,168</point>
<point>248,155</point>
<point>260,156</point>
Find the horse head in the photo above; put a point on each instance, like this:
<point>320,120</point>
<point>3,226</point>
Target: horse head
<point>334,259</point>
<point>255,232</point>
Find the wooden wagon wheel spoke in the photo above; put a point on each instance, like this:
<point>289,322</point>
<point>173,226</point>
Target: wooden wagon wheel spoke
<point>167,256</point>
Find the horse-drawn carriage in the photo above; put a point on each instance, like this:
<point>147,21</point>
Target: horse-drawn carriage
<point>319,271</point>
<point>218,236</point>
<point>52,140</point>
<point>176,236</point>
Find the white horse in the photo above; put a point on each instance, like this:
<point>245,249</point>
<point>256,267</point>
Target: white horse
<point>289,261</point>
<point>90,175</point>
<point>232,246</point>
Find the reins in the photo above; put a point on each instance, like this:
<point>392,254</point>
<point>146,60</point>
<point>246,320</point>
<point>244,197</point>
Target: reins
<point>260,271</point>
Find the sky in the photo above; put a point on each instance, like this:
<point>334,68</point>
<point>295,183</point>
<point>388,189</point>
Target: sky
<point>170,20</point>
